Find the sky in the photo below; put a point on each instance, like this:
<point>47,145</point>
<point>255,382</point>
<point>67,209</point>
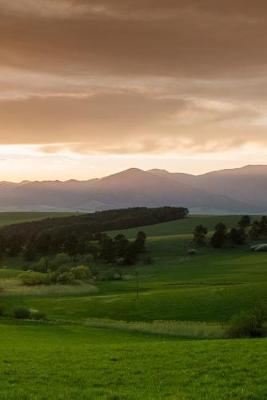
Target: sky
<point>88,88</point>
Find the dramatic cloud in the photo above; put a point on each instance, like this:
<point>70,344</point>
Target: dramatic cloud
<point>124,76</point>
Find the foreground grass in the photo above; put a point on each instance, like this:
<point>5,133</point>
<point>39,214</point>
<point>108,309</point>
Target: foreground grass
<point>42,361</point>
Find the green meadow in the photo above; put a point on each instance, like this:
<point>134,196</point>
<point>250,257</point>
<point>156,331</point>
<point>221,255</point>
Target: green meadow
<point>183,226</point>
<point>156,334</point>
<point>64,361</point>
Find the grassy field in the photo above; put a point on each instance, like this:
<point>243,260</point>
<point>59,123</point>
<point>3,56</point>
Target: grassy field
<point>182,226</point>
<point>137,338</point>
<point>66,362</point>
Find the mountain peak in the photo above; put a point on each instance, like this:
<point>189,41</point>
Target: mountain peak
<point>130,172</point>
<point>159,171</point>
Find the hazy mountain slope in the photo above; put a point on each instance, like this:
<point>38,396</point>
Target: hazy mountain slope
<point>247,184</point>
<point>136,187</point>
<point>186,179</point>
<point>233,190</point>
<point>54,195</point>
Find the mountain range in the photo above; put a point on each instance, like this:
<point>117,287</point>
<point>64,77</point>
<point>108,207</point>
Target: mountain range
<point>241,190</point>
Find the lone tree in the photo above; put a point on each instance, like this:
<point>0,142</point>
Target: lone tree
<point>200,235</point>
<point>219,237</point>
<point>140,242</point>
<point>121,244</point>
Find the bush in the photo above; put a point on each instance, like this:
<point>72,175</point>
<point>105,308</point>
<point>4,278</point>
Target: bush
<point>61,259</point>
<point>34,278</point>
<point>65,278</point>
<point>41,265</point>
<point>81,272</point>
<point>63,268</point>
<point>22,313</point>
<point>247,324</point>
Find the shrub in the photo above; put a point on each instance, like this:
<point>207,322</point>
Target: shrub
<point>63,268</point>
<point>65,278</point>
<point>61,259</point>
<point>81,272</point>
<point>22,313</point>
<point>247,324</point>
<point>41,265</point>
<point>34,278</point>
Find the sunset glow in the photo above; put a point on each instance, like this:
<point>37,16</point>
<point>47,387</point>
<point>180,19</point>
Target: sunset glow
<point>88,88</point>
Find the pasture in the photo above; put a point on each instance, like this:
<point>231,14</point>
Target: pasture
<point>70,362</point>
<point>142,337</point>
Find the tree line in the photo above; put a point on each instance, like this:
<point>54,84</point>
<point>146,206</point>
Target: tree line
<point>83,234</point>
<point>245,230</point>
<point>100,246</point>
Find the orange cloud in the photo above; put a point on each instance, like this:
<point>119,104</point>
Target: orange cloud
<point>124,76</point>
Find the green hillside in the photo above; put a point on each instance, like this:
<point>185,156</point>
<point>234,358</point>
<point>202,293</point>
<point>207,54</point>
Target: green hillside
<point>139,338</point>
<point>182,226</point>
<point>212,286</point>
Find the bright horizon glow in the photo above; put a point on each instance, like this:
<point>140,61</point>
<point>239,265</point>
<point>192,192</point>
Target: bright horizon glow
<point>29,162</point>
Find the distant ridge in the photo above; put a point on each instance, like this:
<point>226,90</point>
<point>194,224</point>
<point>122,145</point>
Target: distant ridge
<point>229,190</point>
